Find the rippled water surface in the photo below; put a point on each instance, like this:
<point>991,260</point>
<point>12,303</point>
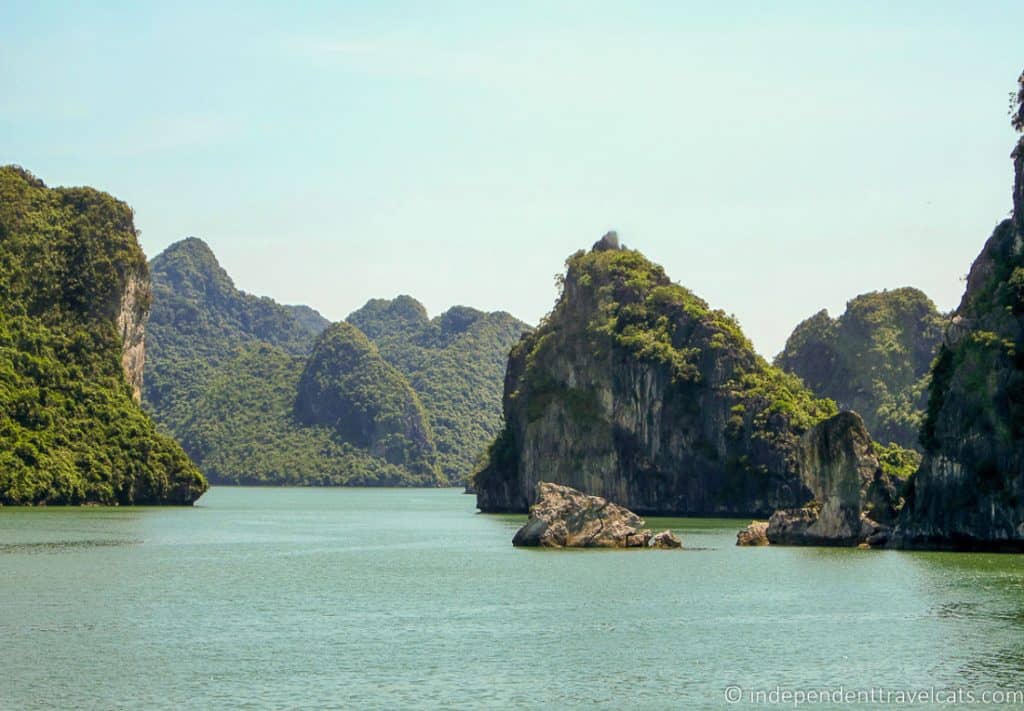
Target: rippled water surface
<point>312,598</point>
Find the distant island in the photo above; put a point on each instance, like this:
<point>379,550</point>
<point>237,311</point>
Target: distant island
<point>263,393</point>
<point>874,358</point>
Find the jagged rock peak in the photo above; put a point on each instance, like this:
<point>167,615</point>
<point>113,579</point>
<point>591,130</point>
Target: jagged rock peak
<point>610,240</point>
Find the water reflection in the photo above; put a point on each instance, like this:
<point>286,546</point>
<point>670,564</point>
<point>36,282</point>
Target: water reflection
<point>63,546</point>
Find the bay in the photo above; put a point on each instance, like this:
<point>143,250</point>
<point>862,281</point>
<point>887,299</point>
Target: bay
<point>404,598</point>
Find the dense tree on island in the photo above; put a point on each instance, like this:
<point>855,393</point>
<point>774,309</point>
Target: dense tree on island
<point>244,431</point>
<point>74,295</point>
<point>456,362</point>
<point>200,321</point>
<point>347,386</point>
<point>227,368</point>
<point>873,359</point>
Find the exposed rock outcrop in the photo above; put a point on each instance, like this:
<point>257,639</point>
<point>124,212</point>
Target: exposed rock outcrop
<point>665,539</point>
<point>969,490</point>
<point>849,489</point>
<point>132,313</point>
<point>755,534</point>
<point>635,390</point>
<point>566,518</point>
<point>610,240</point>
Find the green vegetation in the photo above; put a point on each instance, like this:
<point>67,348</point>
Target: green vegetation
<point>645,313</point>
<point>248,435</point>
<point>618,310</point>
<point>224,371</point>
<point>873,359</point>
<point>70,431</point>
<point>653,319</point>
<point>256,398</point>
<point>978,378</point>
<point>455,362</point>
<point>897,461</point>
<point>199,322</point>
<point>347,386</point>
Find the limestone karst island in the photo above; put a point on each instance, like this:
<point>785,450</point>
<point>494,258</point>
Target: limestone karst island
<point>461,356</point>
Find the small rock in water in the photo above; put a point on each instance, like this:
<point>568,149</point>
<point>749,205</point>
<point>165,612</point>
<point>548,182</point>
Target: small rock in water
<point>665,539</point>
<point>566,518</point>
<point>756,534</point>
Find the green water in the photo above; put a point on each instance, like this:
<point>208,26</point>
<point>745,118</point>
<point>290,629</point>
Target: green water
<point>312,598</point>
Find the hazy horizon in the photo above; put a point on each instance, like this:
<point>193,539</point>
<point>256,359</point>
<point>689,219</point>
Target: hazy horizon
<point>775,161</point>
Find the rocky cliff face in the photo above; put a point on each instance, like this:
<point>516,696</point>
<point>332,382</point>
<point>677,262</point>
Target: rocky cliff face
<point>873,359</point>
<point>635,390</point>
<point>132,313</point>
<point>969,491</point>
<point>853,499</point>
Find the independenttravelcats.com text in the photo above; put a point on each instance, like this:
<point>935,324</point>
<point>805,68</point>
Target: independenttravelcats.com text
<point>877,695</point>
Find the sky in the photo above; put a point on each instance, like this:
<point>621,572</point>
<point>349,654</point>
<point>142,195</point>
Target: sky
<point>777,158</point>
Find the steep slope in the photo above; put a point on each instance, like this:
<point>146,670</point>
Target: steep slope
<point>873,359</point>
<point>74,296</point>
<point>348,387</point>
<point>635,390</point>
<point>855,498</point>
<point>233,378</point>
<point>243,431</point>
<point>455,362</point>
<point>200,320</point>
<point>969,491</point>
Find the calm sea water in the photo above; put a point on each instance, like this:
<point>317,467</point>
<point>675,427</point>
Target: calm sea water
<point>312,598</point>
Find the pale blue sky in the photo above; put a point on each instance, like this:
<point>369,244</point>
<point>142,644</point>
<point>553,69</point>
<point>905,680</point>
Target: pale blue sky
<point>777,158</point>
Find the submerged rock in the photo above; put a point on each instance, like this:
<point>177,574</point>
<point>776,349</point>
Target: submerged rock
<point>753,535</point>
<point>839,466</point>
<point>566,518</point>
